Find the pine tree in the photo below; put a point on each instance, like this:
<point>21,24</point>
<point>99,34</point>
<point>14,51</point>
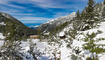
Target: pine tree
<point>78,14</point>
<point>103,13</point>
<point>83,14</point>
<point>90,10</point>
<point>104,2</point>
<point>89,15</point>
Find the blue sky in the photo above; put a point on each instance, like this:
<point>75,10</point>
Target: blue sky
<point>40,11</point>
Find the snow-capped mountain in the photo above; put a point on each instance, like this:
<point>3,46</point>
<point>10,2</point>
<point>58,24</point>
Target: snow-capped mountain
<point>62,19</point>
<point>81,39</point>
<point>52,24</point>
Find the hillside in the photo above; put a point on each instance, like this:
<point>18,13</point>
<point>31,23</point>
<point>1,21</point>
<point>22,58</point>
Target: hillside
<point>54,23</point>
<point>77,37</point>
<point>83,38</point>
<point>10,25</point>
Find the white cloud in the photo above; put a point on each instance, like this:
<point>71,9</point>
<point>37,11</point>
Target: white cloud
<point>22,14</point>
<point>16,6</point>
<point>34,18</point>
<point>40,3</point>
<point>49,4</point>
<point>3,2</point>
<point>57,3</point>
<point>32,21</point>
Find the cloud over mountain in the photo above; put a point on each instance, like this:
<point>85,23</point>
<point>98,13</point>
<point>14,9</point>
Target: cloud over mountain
<point>47,9</point>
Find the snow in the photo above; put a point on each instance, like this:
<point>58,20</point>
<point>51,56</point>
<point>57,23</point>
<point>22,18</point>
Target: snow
<point>101,28</point>
<point>2,23</point>
<point>25,46</point>
<point>63,52</point>
<point>1,36</point>
<point>71,16</point>
<point>102,56</point>
<point>1,43</point>
<point>61,33</point>
<point>6,15</point>
<point>47,33</point>
<point>78,43</point>
<point>47,49</point>
<point>101,42</point>
<point>1,39</point>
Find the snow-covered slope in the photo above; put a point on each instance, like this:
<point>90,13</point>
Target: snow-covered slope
<point>76,45</point>
<point>65,49</point>
<point>52,24</point>
<point>71,43</point>
<point>63,19</point>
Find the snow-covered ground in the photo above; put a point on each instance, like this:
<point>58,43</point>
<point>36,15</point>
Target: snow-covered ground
<point>65,53</point>
<point>52,50</point>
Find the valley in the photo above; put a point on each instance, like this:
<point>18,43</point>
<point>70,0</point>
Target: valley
<point>78,36</point>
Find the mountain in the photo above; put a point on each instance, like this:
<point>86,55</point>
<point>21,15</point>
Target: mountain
<point>82,39</point>
<point>78,37</point>
<point>54,23</point>
<point>11,26</point>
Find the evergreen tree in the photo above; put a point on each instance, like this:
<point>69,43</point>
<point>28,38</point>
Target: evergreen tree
<point>12,34</point>
<point>11,50</point>
<point>78,14</point>
<point>90,10</point>
<point>103,13</point>
<point>104,2</point>
<point>83,14</point>
<point>89,15</point>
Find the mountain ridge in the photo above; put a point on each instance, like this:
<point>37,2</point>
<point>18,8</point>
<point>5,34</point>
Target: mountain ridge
<point>52,24</point>
<point>13,26</point>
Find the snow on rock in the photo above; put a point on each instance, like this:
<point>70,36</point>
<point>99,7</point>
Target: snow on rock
<point>1,39</point>
<point>47,33</point>
<point>1,43</point>
<point>1,36</point>
<point>61,33</point>
<point>2,23</point>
